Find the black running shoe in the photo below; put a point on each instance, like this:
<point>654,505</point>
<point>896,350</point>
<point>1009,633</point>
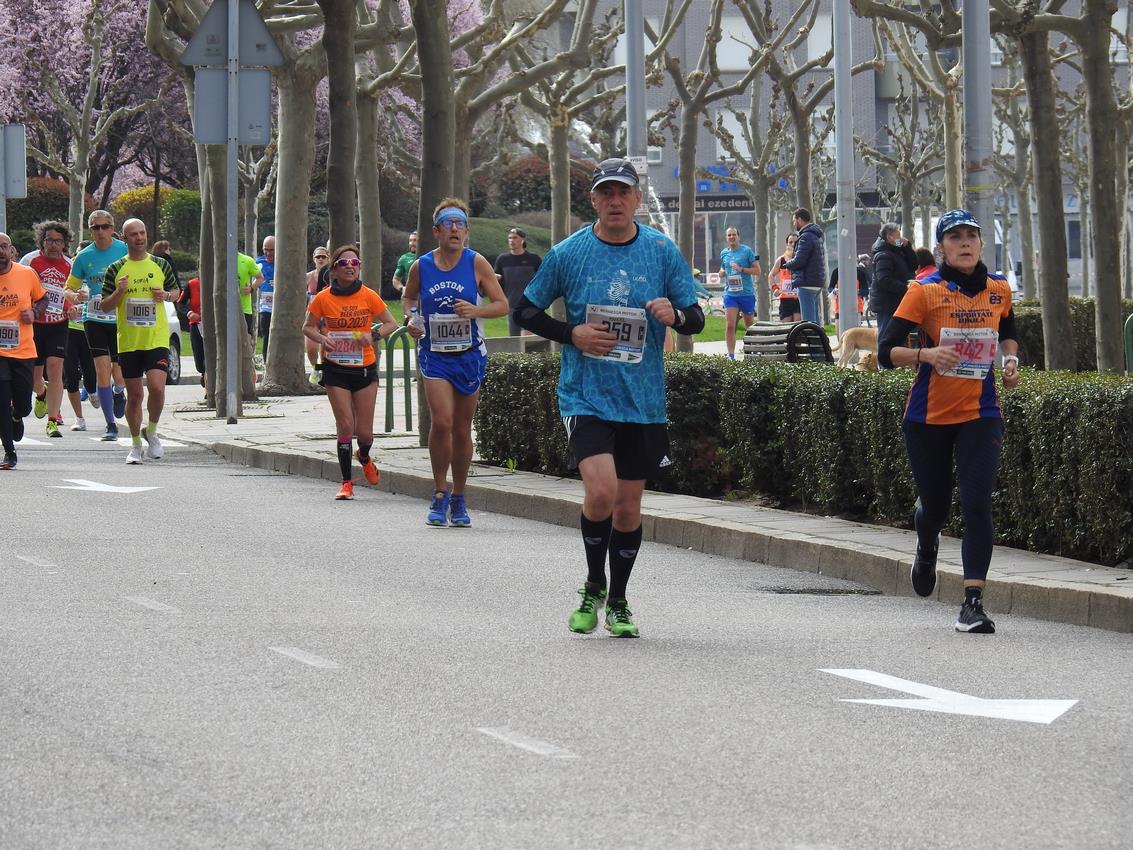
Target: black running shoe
<point>9,461</point>
<point>973,619</point>
<point>17,429</point>
<point>923,573</point>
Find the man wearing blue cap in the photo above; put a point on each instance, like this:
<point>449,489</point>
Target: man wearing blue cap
<point>964,319</point>
<point>624,285</point>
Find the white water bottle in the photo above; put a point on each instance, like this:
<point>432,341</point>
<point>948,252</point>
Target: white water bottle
<point>416,320</point>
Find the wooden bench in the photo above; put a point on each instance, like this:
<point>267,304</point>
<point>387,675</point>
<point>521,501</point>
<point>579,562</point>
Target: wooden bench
<point>792,342</point>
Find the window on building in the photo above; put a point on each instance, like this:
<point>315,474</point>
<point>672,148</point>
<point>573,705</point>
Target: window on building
<point>820,39</point>
<point>1119,47</point>
<point>733,53</point>
<point>1074,238</point>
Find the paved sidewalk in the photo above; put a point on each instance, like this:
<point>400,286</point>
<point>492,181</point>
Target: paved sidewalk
<point>296,435</point>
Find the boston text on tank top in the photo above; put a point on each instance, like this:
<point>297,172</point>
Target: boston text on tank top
<point>445,331</point>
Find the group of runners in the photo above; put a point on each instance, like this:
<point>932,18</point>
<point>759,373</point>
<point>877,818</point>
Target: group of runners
<point>94,327</point>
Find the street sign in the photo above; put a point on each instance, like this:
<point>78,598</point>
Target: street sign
<point>640,165</point>
<point>209,45</point>
<point>210,110</point>
<point>15,162</point>
<point>1044,711</point>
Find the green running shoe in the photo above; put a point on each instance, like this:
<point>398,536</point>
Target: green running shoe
<point>40,406</point>
<point>619,619</point>
<point>585,619</point>
<point>53,428</point>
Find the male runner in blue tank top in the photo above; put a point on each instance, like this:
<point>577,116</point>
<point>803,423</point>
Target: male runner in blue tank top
<point>446,284</point>
<point>624,285</point>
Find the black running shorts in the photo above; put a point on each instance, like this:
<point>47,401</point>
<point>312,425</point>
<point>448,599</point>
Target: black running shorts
<point>50,341</point>
<point>353,378</point>
<point>136,363</point>
<point>641,451</point>
<point>103,340</point>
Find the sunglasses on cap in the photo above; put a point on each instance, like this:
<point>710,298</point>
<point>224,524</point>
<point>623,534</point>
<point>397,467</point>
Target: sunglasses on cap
<point>347,261</point>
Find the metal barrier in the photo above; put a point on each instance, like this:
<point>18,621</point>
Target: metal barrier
<point>1129,346</point>
<point>400,335</point>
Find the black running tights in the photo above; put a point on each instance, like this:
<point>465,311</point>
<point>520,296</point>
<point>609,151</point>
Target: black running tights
<point>15,400</point>
<point>972,449</point>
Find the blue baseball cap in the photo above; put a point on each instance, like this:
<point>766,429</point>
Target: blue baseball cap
<point>615,170</point>
<point>953,219</point>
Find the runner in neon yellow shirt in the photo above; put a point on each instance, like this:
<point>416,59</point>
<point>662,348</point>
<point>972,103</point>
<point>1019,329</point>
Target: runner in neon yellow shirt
<point>136,287</point>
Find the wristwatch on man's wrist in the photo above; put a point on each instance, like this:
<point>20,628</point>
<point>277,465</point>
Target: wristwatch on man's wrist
<point>680,314</point>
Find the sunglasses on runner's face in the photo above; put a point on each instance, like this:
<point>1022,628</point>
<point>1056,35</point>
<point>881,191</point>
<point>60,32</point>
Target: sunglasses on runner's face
<point>348,261</point>
<point>101,226</point>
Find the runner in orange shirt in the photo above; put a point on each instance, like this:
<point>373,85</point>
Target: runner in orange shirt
<point>21,297</point>
<point>789,310</point>
<point>348,310</point>
<point>964,316</point>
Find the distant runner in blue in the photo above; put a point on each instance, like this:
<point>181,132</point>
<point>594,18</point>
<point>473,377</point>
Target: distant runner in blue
<point>737,265</point>
<point>624,285</point>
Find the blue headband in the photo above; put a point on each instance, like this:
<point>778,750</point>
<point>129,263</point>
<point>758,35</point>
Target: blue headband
<point>449,213</point>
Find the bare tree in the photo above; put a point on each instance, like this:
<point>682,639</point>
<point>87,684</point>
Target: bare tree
<point>1015,167</point>
<point>340,26</point>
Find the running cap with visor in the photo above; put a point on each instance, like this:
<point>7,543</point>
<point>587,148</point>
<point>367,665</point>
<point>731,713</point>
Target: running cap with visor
<point>616,170</point>
<point>953,219</point>
<point>450,214</point>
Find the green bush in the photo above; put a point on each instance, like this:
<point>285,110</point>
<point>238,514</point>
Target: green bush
<point>1029,323</point>
<point>188,264</point>
<point>48,198</point>
<point>526,185</point>
<point>138,203</point>
<point>181,220</point>
<point>831,439</point>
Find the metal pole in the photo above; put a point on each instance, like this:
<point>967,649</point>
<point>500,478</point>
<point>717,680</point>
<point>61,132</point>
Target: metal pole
<point>635,78</point>
<point>844,170</point>
<point>235,320</point>
<point>980,181</point>
<point>3,186</point>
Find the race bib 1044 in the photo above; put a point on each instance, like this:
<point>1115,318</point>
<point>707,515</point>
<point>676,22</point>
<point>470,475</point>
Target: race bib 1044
<point>449,332</point>
<point>628,324</point>
<point>141,312</point>
<point>976,347</point>
<point>9,335</point>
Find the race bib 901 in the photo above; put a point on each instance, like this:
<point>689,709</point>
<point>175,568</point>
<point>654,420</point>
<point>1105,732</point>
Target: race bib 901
<point>9,335</point>
<point>976,347</point>
<point>628,324</point>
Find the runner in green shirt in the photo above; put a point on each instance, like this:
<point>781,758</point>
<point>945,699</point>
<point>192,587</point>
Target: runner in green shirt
<point>404,262</point>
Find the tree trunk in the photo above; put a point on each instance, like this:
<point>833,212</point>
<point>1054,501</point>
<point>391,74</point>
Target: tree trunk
<point>1121,155</point>
<point>953,112</point>
<point>341,24</point>
<point>906,191</point>
<point>462,162</point>
<point>1085,226</point>
<point>686,216</point>
<point>802,157</point>
<point>286,372</point>
<point>1046,160</point>
<point>1101,117</point>
<point>248,211</point>
<point>926,220</point>
<point>438,137</point>
<point>369,202</point>
<point>76,183</point>
<point>558,151</point>
<point>1027,241</point>
<point>764,246</point>
<point>154,236</point>
<point>223,279</point>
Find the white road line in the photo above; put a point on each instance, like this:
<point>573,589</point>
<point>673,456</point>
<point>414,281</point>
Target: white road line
<point>532,745</point>
<point>127,442</point>
<point>152,604</point>
<point>305,657</point>
<point>35,562</point>
<point>28,441</point>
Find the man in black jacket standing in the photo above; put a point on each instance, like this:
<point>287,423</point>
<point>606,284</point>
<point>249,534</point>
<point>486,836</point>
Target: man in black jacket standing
<point>894,264</point>
<point>808,266</point>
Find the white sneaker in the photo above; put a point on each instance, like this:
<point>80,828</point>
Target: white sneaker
<point>94,402</point>
<point>154,450</point>
<point>135,455</point>
<point>80,424</point>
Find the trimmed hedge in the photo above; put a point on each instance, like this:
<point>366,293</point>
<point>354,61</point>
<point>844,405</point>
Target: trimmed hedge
<point>830,439</point>
<point>1029,323</point>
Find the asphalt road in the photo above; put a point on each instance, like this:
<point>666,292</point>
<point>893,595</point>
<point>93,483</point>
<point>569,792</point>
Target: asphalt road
<point>236,660</point>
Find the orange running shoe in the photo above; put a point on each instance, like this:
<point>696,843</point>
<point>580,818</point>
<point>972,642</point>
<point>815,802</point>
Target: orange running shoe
<point>369,469</point>
<point>346,491</point>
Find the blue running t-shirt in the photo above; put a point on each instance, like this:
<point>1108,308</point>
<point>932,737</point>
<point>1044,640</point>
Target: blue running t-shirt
<point>583,270</point>
<point>90,268</point>
<point>439,292</point>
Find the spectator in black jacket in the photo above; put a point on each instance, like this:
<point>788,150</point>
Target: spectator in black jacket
<point>808,265</point>
<point>893,266</point>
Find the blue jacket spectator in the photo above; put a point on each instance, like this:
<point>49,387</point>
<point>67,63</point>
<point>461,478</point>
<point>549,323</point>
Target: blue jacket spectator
<point>808,265</point>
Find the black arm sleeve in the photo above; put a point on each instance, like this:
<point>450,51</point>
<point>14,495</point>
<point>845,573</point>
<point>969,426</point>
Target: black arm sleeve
<point>694,320</point>
<point>896,332</point>
<point>40,307</point>
<point>1007,329</point>
<point>531,318</point>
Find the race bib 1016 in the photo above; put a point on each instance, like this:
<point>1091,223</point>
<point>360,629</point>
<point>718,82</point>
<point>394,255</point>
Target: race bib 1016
<point>628,324</point>
<point>976,347</point>
<point>449,332</point>
<point>141,312</point>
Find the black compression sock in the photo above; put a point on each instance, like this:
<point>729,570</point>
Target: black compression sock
<point>596,539</point>
<point>344,460</point>
<point>973,594</point>
<point>364,450</point>
<point>623,552</point>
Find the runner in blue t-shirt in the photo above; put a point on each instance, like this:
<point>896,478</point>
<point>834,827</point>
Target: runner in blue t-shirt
<point>624,284</point>
<point>266,262</point>
<point>101,325</point>
<point>737,265</point>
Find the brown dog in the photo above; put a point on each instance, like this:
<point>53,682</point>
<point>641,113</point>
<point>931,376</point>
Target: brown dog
<point>854,340</point>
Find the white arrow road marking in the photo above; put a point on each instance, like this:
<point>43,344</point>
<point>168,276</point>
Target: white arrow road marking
<point>35,562</point>
<point>305,657</point>
<point>152,604</point>
<point>96,487</point>
<point>952,702</point>
<point>532,745</point>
